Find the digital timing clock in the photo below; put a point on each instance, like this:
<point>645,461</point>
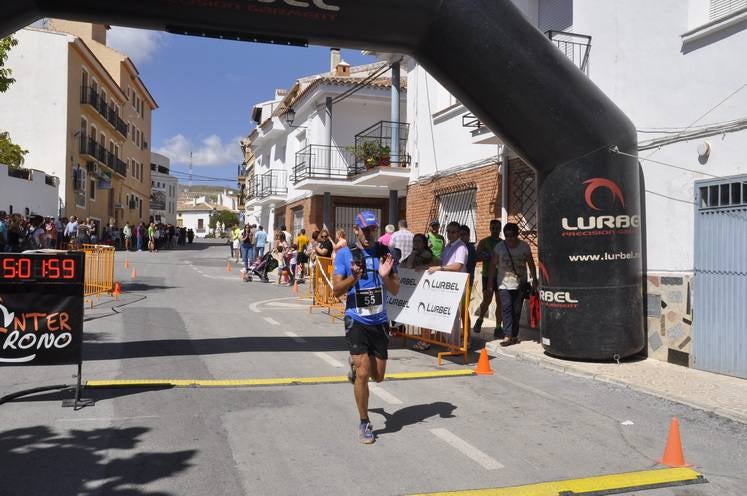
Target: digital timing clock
<point>49,268</point>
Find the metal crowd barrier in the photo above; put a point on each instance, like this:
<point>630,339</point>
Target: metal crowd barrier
<point>323,297</point>
<point>99,264</point>
<point>455,344</point>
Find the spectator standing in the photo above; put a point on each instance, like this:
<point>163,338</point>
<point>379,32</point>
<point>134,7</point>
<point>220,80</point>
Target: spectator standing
<point>401,241</point>
<point>420,256</point>
<point>50,230</point>
<point>435,240</point>
<point>302,242</point>
<point>385,238</point>
<point>127,232</point>
<point>288,236</point>
<point>464,233</point>
<point>3,232</point>
<point>340,242</point>
<point>235,242</point>
<point>246,245</point>
<point>260,240</point>
<point>485,249</point>
<point>71,230</point>
<point>512,258</point>
<point>325,247</point>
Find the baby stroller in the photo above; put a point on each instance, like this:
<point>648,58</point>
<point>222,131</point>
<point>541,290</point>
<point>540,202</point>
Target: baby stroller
<point>261,267</point>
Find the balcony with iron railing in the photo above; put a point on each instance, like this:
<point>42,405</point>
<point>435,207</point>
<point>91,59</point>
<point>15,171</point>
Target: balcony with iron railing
<point>323,162</point>
<point>272,184</point>
<point>89,146</point>
<point>89,96</point>
<point>575,46</point>
<point>373,147</point>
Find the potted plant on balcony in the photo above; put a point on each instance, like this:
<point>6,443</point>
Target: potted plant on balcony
<point>371,153</point>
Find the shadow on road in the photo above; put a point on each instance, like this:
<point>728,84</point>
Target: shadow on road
<point>412,415</point>
<point>97,394</point>
<point>37,460</point>
<point>208,346</point>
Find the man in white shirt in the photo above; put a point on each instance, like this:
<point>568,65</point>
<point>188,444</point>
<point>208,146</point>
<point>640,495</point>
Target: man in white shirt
<point>401,240</point>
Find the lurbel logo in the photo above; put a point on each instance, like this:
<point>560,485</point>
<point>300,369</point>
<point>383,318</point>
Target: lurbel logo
<point>601,225</point>
<point>558,299</point>
<point>441,285</point>
<point>320,4</point>
<point>421,307</point>
<point>599,182</point>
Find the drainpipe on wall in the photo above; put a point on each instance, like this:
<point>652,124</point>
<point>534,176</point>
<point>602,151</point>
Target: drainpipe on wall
<point>394,152</point>
<point>328,130</point>
<point>503,171</point>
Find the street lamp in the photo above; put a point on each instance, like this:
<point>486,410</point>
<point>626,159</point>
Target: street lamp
<point>290,116</point>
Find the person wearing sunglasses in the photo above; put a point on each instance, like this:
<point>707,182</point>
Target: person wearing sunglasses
<point>366,272</point>
<point>513,261</point>
<point>324,248</point>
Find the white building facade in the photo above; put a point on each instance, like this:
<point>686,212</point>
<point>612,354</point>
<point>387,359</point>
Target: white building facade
<point>306,173</point>
<point>195,217</point>
<point>28,192</point>
<point>163,190</point>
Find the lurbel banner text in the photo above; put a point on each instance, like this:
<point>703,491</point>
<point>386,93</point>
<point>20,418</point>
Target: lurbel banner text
<point>427,300</point>
<point>40,329</point>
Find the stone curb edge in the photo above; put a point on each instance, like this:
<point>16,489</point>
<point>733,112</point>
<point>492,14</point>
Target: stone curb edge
<point>736,416</point>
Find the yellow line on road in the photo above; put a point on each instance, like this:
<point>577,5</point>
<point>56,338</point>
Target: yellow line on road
<point>285,381</point>
<point>605,484</point>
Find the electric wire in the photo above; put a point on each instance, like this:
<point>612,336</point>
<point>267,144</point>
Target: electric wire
<point>361,84</point>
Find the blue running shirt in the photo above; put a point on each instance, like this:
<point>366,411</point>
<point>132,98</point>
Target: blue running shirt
<point>366,299</point>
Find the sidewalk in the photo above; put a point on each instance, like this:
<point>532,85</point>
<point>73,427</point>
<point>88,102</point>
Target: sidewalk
<point>723,395</point>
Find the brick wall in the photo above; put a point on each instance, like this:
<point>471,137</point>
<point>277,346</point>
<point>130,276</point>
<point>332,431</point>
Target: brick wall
<point>422,198</point>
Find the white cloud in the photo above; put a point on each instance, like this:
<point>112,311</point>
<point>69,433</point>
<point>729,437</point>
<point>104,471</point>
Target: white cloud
<point>138,44</point>
<point>210,152</point>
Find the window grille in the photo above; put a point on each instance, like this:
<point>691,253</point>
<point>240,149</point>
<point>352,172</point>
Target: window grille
<point>297,221</point>
<point>722,8</point>
<point>723,195</point>
<point>458,206</point>
<point>523,197</point>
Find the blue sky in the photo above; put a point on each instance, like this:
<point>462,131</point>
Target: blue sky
<point>206,88</point>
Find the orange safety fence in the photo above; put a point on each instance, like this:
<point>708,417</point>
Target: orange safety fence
<point>99,269</point>
<point>455,344</point>
<point>323,297</point>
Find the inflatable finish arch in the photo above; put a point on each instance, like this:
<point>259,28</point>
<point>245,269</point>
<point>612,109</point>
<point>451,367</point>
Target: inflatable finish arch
<point>515,81</point>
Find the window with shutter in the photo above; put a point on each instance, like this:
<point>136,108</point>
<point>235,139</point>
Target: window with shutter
<point>459,206</point>
<point>722,8</point>
<point>555,15</point>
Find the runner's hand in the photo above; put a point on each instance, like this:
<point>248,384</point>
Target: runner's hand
<point>385,267</point>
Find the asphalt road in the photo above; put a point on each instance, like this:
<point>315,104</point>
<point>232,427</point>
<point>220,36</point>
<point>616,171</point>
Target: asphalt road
<point>185,317</point>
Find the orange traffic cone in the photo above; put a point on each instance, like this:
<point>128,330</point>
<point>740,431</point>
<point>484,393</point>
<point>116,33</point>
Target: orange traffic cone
<point>133,274</point>
<point>228,267</point>
<point>483,364</point>
<point>295,286</point>
<point>117,290</point>
<point>673,455</point>
<point>127,263</point>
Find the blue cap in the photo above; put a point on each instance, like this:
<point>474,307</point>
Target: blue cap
<point>366,218</point>
<point>435,222</point>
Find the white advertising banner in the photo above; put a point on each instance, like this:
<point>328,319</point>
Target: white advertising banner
<point>427,300</point>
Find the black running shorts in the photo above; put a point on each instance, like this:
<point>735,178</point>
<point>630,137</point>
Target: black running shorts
<point>368,339</point>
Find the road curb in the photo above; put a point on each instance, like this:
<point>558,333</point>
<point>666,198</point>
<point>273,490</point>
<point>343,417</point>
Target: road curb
<point>541,361</point>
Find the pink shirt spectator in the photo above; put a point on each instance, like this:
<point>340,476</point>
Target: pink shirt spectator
<point>385,239</point>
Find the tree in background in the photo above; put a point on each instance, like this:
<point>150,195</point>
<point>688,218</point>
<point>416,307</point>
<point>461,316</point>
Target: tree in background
<point>10,153</point>
<point>225,217</point>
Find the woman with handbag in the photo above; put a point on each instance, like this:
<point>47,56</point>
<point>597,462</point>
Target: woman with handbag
<point>512,258</point>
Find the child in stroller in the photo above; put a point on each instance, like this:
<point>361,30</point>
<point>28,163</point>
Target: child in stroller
<point>261,267</point>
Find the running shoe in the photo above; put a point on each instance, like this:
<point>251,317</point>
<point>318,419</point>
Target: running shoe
<point>365,433</point>
<point>351,372</point>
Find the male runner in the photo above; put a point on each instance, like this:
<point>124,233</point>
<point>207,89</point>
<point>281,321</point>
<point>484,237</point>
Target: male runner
<point>366,272</point>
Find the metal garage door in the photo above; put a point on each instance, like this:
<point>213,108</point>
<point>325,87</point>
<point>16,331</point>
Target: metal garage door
<point>345,219</point>
<point>720,311</point>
